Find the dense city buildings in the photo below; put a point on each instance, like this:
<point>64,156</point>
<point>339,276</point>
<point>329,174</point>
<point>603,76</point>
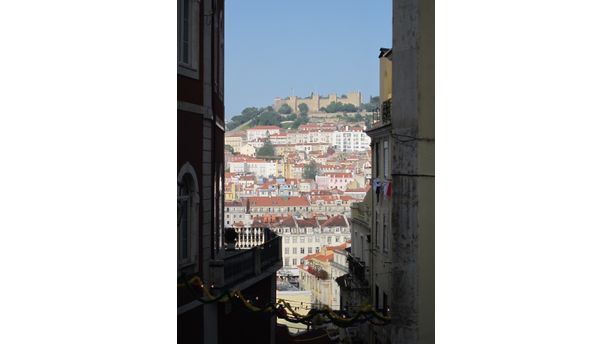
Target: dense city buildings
<point>301,182</point>
<point>319,198</point>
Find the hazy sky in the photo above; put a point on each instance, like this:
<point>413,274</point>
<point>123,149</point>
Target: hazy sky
<point>276,47</point>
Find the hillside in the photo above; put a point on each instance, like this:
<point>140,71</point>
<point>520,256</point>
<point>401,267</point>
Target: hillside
<point>286,117</point>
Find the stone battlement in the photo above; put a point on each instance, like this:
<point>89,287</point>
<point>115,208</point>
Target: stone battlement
<point>315,102</point>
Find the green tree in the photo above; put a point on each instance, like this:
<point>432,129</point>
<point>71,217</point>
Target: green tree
<point>302,119</point>
<point>266,150</point>
<point>349,107</point>
<point>268,118</point>
<point>303,108</point>
<point>310,170</point>
<point>285,109</point>
<point>250,112</point>
<point>372,105</point>
<point>339,107</point>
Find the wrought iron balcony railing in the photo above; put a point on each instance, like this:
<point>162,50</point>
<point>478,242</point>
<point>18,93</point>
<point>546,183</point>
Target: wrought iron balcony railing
<point>357,269</point>
<point>382,115</point>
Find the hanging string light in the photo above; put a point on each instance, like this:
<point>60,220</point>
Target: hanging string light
<point>314,316</point>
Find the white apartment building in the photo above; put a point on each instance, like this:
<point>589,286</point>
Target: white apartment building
<point>261,132</point>
<point>304,236</point>
<point>279,139</point>
<point>258,167</point>
<point>351,140</point>
<point>236,215</point>
<point>331,204</point>
<point>278,206</point>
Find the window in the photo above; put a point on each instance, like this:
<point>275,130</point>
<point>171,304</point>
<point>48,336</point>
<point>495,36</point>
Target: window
<point>287,240</point>
<point>376,229</point>
<point>183,209</point>
<point>329,239</point>
<point>286,250</point>
<point>309,250</point>
<point>294,240</point>
<point>187,215</point>
<point>302,239</point>
<point>294,261</point>
<point>337,238</point>
<point>385,304</point>
<point>301,250</point>
<point>386,159</point>
<point>362,248</point>
<point>385,235</point>
<point>316,249</point>
<point>188,37</point>
<point>377,154</point>
<point>286,261</point>
<point>295,250</point>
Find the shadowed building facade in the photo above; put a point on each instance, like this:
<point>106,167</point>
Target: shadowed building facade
<point>202,254</point>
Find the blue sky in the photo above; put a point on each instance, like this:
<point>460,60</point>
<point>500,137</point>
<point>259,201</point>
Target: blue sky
<point>276,47</point>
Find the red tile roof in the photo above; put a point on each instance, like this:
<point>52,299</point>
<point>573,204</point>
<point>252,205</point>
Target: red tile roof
<point>278,202</point>
<point>337,175</point>
<point>234,204</point>
<point>307,223</point>
<point>336,221</point>
<point>262,127</point>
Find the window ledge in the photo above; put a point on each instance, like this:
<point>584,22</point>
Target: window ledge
<point>188,71</point>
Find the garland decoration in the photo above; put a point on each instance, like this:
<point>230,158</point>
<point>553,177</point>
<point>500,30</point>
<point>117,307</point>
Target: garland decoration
<point>283,309</point>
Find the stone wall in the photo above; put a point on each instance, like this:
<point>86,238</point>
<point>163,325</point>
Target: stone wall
<point>315,102</point>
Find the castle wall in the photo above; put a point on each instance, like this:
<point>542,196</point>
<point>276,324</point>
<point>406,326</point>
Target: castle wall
<point>316,102</point>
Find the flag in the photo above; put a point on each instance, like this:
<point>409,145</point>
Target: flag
<point>388,190</point>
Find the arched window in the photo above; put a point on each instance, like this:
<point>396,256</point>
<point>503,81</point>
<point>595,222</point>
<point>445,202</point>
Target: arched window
<point>187,215</point>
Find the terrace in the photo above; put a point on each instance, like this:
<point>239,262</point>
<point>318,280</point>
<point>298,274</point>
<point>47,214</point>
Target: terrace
<point>383,115</point>
<point>257,254</point>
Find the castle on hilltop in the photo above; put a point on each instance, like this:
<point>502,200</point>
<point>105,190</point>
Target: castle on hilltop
<point>316,102</point>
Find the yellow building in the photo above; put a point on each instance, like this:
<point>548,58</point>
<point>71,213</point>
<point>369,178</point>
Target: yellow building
<point>281,150</point>
<point>235,140</point>
<point>230,192</point>
<point>385,70</point>
<point>300,301</point>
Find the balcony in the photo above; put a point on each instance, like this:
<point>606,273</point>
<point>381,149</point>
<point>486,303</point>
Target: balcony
<point>383,115</point>
<point>357,269</point>
<point>257,253</point>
